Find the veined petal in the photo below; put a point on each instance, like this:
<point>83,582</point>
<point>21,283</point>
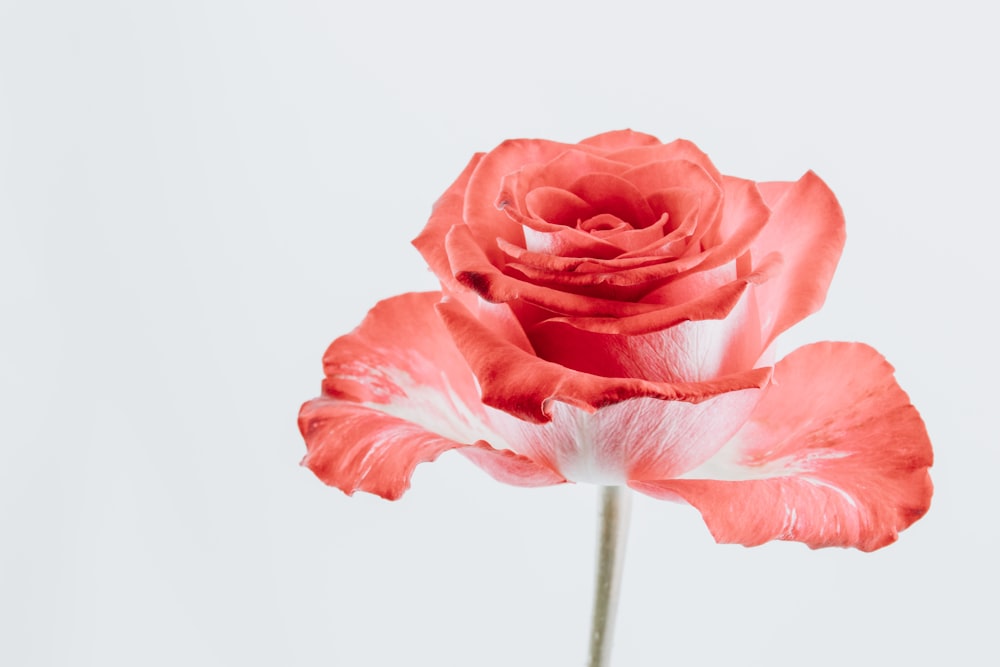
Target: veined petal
<point>833,455</point>
<point>398,393</point>
<point>637,437</point>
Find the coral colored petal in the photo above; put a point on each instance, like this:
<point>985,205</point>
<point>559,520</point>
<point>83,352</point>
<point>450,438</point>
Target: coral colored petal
<point>833,455</point>
<point>480,210</point>
<point>744,216</point>
<point>691,178</point>
<point>447,212</point>
<point>560,172</point>
<point>713,304</point>
<point>398,393</point>
<point>555,262</point>
<point>521,384</point>
<point>473,269</point>
<point>556,206</point>
<point>679,149</point>
<point>807,228</point>
<point>691,351</point>
<point>608,193</point>
<point>620,139</point>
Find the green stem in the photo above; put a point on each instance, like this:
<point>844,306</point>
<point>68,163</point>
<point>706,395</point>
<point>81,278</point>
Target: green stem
<point>616,503</point>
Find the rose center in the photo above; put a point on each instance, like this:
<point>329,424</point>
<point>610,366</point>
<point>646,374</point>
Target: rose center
<point>603,222</point>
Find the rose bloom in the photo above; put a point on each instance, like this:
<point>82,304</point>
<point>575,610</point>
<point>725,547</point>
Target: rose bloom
<point>606,315</point>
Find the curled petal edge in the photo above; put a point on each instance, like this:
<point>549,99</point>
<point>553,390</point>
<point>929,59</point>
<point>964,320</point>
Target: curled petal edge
<point>356,447</point>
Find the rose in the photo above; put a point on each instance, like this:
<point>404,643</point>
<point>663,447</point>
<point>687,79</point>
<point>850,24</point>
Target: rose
<point>606,315</point>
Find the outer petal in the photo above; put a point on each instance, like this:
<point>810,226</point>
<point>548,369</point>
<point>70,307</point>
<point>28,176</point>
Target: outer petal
<point>398,393</point>
<point>447,213</point>
<point>678,149</point>
<point>833,455</point>
<point>620,140</point>
<point>807,228</point>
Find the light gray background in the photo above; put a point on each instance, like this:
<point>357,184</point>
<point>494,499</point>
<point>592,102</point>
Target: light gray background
<point>197,196</point>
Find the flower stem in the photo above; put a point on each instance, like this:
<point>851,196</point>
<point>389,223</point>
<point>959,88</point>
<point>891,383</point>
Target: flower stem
<point>616,504</point>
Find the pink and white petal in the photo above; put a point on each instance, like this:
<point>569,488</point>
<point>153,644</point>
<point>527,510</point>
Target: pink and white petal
<point>833,455</point>
<point>639,437</point>
<point>543,238</point>
<point>807,228</point>
<point>357,447</point>
<point>686,351</point>
<point>397,393</point>
<point>527,387</point>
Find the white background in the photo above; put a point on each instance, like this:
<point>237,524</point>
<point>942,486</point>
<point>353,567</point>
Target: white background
<point>197,196</point>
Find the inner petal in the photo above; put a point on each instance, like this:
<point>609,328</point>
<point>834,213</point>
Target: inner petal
<point>602,223</point>
<point>608,193</point>
<point>557,206</point>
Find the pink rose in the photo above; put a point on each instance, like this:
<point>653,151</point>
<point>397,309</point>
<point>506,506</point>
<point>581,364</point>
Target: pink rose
<point>606,315</point>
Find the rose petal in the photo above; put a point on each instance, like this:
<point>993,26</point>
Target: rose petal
<point>679,149</point>
<point>586,264</point>
<point>360,448</point>
<point>446,213</point>
<point>560,172</point>
<point>833,455</point>
<point>474,270</point>
<point>688,351</point>
<point>743,217</point>
<point>607,193</point>
<point>807,228</point>
<point>525,386</point>
<point>638,437</point>
<point>480,210</point>
<point>620,139</point>
<point>712,303</point>
<point>397,393</point>
<point>652,177</point>
<point>556,206</point>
